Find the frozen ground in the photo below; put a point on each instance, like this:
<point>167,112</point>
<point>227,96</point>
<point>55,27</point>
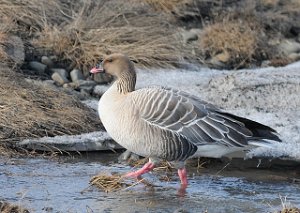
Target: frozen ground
<point>267,95</point>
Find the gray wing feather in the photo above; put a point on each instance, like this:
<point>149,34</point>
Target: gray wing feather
<point>192,118</point>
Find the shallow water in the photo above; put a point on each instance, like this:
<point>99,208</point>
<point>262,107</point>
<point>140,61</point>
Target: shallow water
<point>44,185</point>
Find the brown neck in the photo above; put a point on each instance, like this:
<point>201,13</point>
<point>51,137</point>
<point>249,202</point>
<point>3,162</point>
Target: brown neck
<point>126,82</point>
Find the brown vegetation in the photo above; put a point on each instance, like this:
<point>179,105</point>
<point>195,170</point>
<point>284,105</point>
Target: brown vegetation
<point>32,110</point>
<point>81,33</point>
<point>236,40</point>
<point>6,207</point>
<point>109,183</point>
<point>115,26</point>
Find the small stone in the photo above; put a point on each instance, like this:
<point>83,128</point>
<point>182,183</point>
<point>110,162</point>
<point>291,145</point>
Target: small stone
<point>265,63</point>
<point>99,90</point>
<point>86,93</point>
<point>288,46</point>
<point>76,75</point>
<point>53,57</point>
<point>84,83</point>
<point>294,56</point>
<point>47,61</point>
<point>60,80</point>
<point>223,57</point>
<point>189,36</point>
<point>102,78</point>
<point>215,63</point>
<point>63,73</point>
<point>38,67</point>
<point>128,156</point>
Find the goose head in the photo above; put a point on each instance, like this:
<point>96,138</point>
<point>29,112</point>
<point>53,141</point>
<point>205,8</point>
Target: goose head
<point>119,66</point>
<point>116,65</point>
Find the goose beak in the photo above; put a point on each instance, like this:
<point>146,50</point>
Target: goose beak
<point>98,68</point>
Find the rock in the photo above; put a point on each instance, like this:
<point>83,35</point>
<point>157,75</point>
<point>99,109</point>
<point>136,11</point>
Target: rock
<point>62,72</point>
<point>128,156</point>
<point>99,90</point>
<point>265,63</point>
<point>84,83</point>
<point>294,56</point>
<point>188,36</point>
<point>85,93</point>
<point>288,46</point>
<point>47,61</point>
<point>60,80</point>
<point>102,78</point>
<point>215,63</point>
<point>76,75</point>
<point>81,84</point>
<point>13,47</point>
<point>38,67</point>
<point>223,57</point>
<point>53,57</point>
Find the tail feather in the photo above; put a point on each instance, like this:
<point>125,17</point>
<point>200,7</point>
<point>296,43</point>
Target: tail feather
<point>259,131</point>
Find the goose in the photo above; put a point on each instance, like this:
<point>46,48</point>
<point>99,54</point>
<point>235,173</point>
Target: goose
<point>168,124</point>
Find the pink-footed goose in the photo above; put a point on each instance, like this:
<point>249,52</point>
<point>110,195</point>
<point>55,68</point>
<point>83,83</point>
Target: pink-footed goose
<point>164,123</point>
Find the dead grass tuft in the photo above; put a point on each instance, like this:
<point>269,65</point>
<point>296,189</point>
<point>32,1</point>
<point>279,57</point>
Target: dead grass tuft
<point>290,210</point>
<point>109,183</point>
<point>39,110</point>
<point>238,40</point>
<point>11,208</point>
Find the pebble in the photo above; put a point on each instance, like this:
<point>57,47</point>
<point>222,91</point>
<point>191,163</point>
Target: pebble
<point>62,72</point>
<point>99,90</point>
<point>294,56</point>
<point>38,67</point>
<point>102,78</point>
<point>60,80</point>
<point>288,46</point>
<point>47,61</point>
<point>81,84</point>
<point>76,75</point>
<point>189,36</point>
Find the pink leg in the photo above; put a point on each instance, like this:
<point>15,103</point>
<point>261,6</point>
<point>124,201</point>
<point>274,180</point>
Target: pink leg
<point>146,168</point>
<point>183,176</point>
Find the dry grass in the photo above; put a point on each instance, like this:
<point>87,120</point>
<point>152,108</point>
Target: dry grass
<point>32,110</point>
<point>119,27</point>
<point>30,16</point>
<point>3,54</point>
<point>238,39</point>
<point>168,6</point>
<point>109,183</point>
<point>290,210</point>
<point>82,32</point>
<point>11,208</point>
<point>145,45</point>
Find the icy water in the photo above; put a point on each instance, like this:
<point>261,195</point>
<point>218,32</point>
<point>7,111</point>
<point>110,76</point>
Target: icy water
<point>44,185</point>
